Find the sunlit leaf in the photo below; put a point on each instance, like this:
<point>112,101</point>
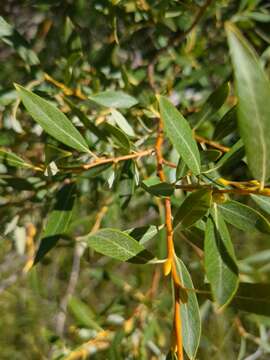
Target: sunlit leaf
<point>52,120</point>
<point>117,245</point>
<point>262,201</point>
<point>244,217</point>
<point>253,90</point>
<point>190,314</point>
<point>180,134</point>
<point>114,99</point>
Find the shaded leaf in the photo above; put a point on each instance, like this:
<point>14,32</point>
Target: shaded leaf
<point>157,188</point>
<point>180,134</point>
<point>10,36</point>
<point>119,137</point>
<point>114,99</point>
<point>231,158</point>
<point>143,234</point>
<point>117,245</point>
<point>181,170</point>
<point>190,314</point>
<point>244,217</point>
<point>220,263</point>
<point>58,220</point>
<point>253,90</point>
<point>253,297</point>
<point>52,120</point>
<point>211,106</point>
<point>11,159</point>
<point>193,208</point>
<point>226,125</point>
<point>209,156</point>
<point>83,314</point>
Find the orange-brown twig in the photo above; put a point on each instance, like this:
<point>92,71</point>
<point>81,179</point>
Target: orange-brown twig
<point>212,143</point>
<point>170,266</point>
<point>115,160</point>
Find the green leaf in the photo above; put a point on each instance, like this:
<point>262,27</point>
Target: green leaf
<point>190,314</point>
<point>220,263</point>
<point>211,106</point>
<point>52,120</point>
<point>263,202</point>
<point>11,159</point>
<point>114,99</point>
<point>193,208</point>
<point>244,217</point>
<point>253,298</point>
<point>58,220</point>
<point>181,170</point>
<point>122,122</point>
<point>157,188</point>
<point>231,158</point>
<point>10,36</point>
<point>253,90</point>
<point>117,245</point>
<point>143,234</point>
<point>171,356</point>
<point>119,137</point>
<point>226,125</point>
<point>83,314</point>
<point>180,134</point>
<point>249,297</point>
<point>208,156</point>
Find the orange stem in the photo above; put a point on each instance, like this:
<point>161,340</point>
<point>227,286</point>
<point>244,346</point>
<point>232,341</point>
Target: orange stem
<point>170,244</point>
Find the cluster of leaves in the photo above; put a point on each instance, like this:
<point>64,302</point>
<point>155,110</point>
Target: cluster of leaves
<point>82,205</point>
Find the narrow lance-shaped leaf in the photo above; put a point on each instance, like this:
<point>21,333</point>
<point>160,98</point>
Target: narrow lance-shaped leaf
<point>52,120</point>
<point>244,217</point>
<point>190,314</point>
<point>193,208</point>
<point>253,90</point>
<point>114,99</point>
<point>211,106</point>
<point>180,134</point>
<point>11,159</point>
<point>58,220</point>
<point>227,124</point>
<point>231,158</point>
<point>157,188</point>
<point>122,122</point>
<point>263,202</point>
<point>117,245</point>
<point>83,314</point>
<point>220,263</point>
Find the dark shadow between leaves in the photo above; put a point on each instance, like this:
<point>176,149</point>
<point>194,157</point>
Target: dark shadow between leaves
<point>142,257</point>
<point>47,243</point>
<point>225,255</point>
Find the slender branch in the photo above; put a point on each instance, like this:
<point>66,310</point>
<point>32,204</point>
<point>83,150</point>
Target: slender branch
<point>170,266</point>
<point>177,39</point>
<point>74,275</point>
<point>115,160</point>
<point>212,143</point>
<point>240,191</point>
